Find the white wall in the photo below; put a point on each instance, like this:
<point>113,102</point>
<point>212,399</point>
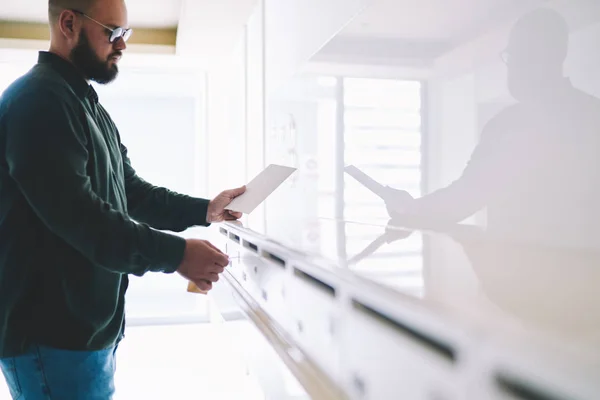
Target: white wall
<point>256,107</point>
<point>236,113</point>
<point>297,29</point>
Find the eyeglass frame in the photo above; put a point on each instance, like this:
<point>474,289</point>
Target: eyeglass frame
<point>125,33</point>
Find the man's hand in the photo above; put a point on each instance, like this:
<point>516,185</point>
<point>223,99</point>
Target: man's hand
<point>202,263</point>
<point>398,202</point>
<point>216,207</point>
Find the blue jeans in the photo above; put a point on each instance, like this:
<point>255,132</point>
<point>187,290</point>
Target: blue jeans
<point>45,373</point>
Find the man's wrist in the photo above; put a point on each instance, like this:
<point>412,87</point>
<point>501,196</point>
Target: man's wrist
<point>197,212</point>
<point>208,213</point>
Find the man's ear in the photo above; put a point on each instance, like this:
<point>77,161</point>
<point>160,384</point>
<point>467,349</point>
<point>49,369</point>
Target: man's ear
<point>68,24</point>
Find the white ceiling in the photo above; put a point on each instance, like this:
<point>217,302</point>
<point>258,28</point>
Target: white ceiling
<point>423,20</point>
<point>142,13</point>
<point>414,33</point>
<point>211,28</point>
<point>426,19</point>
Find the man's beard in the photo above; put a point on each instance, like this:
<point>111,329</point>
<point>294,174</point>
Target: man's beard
<point>84,58</point>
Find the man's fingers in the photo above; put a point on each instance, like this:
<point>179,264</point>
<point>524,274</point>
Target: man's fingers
<point>217,269</point>
<point>232,215</point>
<point>203,285</point>
<point>213,277</point>
<point>214,247</point>
<point>221,259</point>
<point>232,193</point>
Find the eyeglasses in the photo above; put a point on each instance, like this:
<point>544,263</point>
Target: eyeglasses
<point>115,34</point>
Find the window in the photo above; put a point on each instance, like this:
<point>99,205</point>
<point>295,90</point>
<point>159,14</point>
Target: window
<point>382,136</point>
<point>332,122</point>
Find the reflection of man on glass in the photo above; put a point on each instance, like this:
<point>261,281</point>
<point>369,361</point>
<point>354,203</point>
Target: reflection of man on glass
<point>537,166</point>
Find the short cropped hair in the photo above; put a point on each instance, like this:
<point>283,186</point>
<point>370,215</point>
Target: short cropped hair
<point>55,7</point>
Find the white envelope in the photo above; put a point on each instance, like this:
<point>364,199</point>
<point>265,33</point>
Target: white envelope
<point>260,188</point>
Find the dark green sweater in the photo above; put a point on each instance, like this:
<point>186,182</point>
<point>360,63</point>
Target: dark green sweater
<point>68,198</point>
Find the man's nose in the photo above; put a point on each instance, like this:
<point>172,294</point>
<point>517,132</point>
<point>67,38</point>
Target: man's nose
<point>120,44</point>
